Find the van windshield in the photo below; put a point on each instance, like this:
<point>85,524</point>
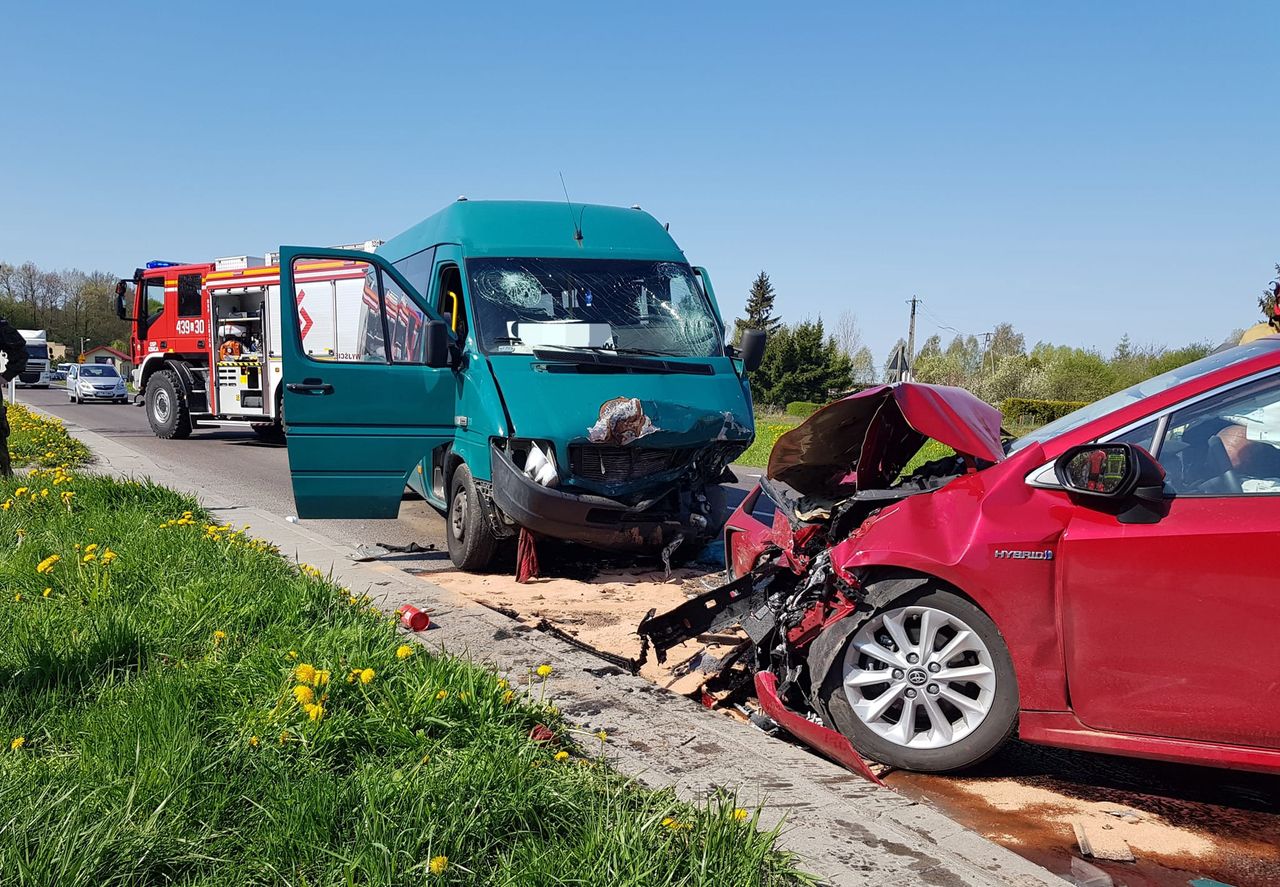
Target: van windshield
<point>621,305</point>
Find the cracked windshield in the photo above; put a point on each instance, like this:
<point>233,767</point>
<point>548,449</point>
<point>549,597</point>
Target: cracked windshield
<point>624,306</point>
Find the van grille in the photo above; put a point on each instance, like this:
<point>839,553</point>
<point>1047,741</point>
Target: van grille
<point>610,464</point>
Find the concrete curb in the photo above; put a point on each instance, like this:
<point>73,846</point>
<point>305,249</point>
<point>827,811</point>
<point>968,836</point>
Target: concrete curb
<point>844,829</point>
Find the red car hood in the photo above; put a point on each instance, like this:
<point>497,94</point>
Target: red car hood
<point>863,441</point>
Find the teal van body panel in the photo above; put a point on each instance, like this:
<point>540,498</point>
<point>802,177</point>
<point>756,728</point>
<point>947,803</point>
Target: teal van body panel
<point>675,411</point>
<point>531,228</point>
<point>638,440</point>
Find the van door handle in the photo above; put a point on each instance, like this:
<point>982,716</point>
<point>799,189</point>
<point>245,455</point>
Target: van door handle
<point>310,386</point>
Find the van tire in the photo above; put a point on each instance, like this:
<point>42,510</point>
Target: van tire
<point>167,410</point>
<point>472,544</point>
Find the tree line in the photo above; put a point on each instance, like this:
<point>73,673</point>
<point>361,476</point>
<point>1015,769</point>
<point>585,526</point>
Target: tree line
<point>806,361</point>
<point>68,304</point>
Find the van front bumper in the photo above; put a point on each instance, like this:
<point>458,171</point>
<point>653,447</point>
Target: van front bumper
<point>589,520</point>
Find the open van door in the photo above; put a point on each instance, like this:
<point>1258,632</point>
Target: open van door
<point>362,406</point>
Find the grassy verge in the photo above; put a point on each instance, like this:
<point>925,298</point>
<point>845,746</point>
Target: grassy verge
<point>35,440</point>
<point>180,705</point>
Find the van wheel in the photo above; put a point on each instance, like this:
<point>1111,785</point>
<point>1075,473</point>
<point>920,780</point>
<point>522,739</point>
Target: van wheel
<point>167,408</point>
<point>472,544</point>
<point>925,683</point>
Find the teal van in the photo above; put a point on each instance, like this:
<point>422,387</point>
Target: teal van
<point>520,365</point>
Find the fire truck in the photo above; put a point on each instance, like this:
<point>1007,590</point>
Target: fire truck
<point>205,337</point>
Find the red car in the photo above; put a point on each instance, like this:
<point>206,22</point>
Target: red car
<point>1106,582</point>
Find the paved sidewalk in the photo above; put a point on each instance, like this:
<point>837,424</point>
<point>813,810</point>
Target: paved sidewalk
<point>844,829</point>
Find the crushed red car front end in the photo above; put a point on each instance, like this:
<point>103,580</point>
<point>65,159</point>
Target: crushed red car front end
<point>826,479</point>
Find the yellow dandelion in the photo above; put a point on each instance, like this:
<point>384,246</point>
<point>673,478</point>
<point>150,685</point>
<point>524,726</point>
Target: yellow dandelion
<point>219,636</point>
<point>562,756</point>
<point>20,491</point>
<point>108,556</point>
<point>367,676</point>
<point>304,694</point>
<point>253,742</point>
<point>438,864</point>
<point>91,548</point>
<point>17,743</point>
<point>404,651</point>
<point>508,697</point>
<point>315,712</point>
<point>17,596</point>
<point>442,696</point>
<point>322,677</point>
<point>46,565</point>
<point>305,673</point>
<point>89,557</point>
<point>544,670</point>
<point>46,592</point>
<point>502,683</point>
<point>739,814</point>
<point>602,735</point>
<point>293,654</point>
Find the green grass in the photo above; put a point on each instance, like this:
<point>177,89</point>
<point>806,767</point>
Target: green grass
<point>35,440</point>
<point>161,741</point>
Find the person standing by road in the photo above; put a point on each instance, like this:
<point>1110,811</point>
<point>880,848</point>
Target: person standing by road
<point>14,348</point>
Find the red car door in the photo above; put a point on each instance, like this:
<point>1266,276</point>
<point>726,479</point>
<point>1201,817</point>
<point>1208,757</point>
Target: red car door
<point>1169,628</point>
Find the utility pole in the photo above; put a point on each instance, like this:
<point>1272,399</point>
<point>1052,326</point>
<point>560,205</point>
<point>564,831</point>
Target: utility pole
<point>911,333</point>
<point>986,349</point>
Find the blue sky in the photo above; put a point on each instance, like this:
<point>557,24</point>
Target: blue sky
<point>1081,170</point>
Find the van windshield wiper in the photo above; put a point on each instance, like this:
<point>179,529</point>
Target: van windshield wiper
<point>601,349</point>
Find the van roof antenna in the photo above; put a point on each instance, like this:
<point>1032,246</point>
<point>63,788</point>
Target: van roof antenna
<point>577,223</point>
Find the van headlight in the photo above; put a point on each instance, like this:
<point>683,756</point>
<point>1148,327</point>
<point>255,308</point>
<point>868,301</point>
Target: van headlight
<point>537,460</point>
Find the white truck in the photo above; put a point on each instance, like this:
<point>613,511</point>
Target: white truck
<point>36,375</point>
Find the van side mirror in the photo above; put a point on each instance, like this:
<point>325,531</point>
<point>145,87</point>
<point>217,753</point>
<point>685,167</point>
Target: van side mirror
<point>751,350</point>
<point>438,344</point>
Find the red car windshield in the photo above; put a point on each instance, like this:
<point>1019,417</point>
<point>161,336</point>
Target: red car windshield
<point>1149,388</point>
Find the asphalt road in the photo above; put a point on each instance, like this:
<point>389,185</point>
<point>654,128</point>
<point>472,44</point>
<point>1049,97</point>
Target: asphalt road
<point>231,458</point>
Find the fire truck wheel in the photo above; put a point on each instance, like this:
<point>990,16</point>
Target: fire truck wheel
<point>166,407</point>
<point>472,544</point>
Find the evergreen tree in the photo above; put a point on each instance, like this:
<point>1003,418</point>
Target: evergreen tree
<point>802,362</point>
<point>759,309</point>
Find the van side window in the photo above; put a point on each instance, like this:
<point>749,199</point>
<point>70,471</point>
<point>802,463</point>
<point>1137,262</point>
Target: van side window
<point>355,314</point>
<point>449,301</point>
<point>416,269</point>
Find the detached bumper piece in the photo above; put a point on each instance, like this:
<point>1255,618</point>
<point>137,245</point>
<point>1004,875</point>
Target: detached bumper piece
<point>589,520</point>
<point>819,738</point>
<point>717,609</point>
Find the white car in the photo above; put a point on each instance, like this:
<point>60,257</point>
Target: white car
<point>95,381</point>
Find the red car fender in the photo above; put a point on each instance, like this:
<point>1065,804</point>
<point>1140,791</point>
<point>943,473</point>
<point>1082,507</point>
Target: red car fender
<point>953,534</point>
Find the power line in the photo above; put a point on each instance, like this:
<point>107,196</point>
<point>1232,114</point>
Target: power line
<point>939,323</point>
